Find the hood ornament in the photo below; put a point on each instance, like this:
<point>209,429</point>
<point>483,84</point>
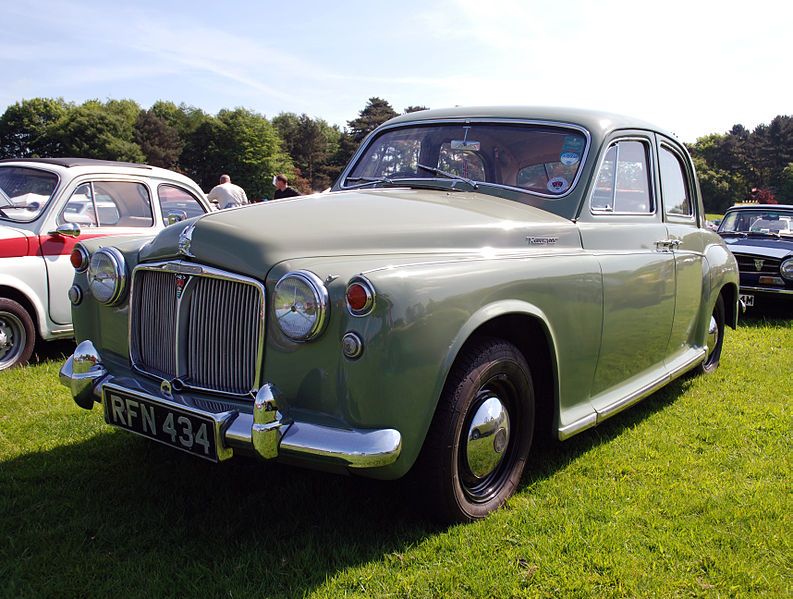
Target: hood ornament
<point>185,239</point>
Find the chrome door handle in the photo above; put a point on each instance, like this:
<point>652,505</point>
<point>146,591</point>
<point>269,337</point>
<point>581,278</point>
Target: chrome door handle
<point>667,245</point>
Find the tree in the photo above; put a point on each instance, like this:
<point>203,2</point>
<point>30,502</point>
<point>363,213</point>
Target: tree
<point>410,109</point>
<point>26,128</point>
<point>92,131</point>
<point>158,140</point>
<point>376,112</point>
<point>311,143</point>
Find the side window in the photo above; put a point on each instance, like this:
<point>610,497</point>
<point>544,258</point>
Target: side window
<point>123,204</point>
<point>677,198</point>
<point>623,183</point>
<point>80,208</point>
<point>175,200</point>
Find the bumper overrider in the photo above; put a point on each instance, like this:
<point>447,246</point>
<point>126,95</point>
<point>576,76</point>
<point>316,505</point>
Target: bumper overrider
<point>265,432</point>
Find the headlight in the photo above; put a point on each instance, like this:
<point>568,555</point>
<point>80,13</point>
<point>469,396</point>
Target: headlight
<point>300,302</point>
<point>786,269</point>
<point>107,275</point>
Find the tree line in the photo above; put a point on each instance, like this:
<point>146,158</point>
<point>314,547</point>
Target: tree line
<point>240,142</point>
<point>735,166</point>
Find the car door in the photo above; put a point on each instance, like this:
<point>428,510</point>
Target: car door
<point>624,229</point>
<point>99,207</point>
<point>687,244</point>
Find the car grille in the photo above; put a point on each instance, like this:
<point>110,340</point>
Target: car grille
<point>749,264</point>
<point>205,329</point>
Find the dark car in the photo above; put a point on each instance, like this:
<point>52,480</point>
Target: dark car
<point>761,238</point>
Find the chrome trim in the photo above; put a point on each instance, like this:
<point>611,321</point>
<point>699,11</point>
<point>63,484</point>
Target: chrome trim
<point>82,372</point>
<point>478,120</point>
<point>197,270</point>
<point>488,437</point>
<point>651,182</point>
<point>266,433</point>
<point>79,247</point>
<point>67,230</point>
<point>588,421</point>
<point>351,346</point>
<point>368,288</point>
<point>766,290</point>
<point>320,296</point>
<point>75,295</point>
<point>120,268</point>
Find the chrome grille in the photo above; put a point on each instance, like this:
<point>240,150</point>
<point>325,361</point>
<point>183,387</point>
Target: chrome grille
<point>770,266</point>
<point>201,326</point>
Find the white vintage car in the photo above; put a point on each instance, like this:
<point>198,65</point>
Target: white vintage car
<point>46,205</point>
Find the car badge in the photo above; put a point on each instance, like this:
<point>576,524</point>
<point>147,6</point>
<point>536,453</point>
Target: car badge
<point>165,388</point>
<point>758,264</point>
<point>185,239</point>
<point>181,281</point>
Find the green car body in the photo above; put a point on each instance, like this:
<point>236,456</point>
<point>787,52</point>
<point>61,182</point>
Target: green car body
<point>604,306</point>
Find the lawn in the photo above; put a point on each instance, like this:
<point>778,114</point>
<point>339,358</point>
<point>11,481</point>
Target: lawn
<point>686,494</point>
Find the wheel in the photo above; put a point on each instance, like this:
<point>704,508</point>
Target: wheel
<point>17,334</point>
<point>714,338</point>
<point>481,434</point>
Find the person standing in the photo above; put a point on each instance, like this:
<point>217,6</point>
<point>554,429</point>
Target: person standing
<point>282,189</point>
<point>227,195</point>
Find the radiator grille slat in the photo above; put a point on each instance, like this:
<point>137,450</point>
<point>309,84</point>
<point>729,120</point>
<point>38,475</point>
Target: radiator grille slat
<point>216,330</point>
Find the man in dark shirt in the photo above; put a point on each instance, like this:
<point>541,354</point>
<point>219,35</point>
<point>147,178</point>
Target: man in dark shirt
<point>282,189</point>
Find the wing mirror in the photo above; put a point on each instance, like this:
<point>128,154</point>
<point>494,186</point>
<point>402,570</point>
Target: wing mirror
<point>175,216</point>
<point>67,230</point>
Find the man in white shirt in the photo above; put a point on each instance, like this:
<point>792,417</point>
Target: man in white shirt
<point>227,195</point>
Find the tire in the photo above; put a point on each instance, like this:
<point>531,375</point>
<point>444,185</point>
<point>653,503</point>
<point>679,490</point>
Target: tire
<point>472,461</point>
<point>715,339</point>
<point>17,334</point>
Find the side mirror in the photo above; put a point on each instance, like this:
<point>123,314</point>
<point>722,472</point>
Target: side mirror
<point>175,216</point>
<point>67,230</point>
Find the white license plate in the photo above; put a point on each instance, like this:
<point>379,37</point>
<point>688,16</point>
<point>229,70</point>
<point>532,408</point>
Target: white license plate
<point>748,300</point>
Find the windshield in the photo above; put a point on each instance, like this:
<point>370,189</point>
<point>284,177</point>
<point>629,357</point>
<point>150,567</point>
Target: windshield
<point>540,160</point>
<point>24,192</point>
<point>764,222</point>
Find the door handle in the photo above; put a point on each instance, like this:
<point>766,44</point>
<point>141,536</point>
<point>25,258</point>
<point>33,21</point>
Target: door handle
<point>667,245</point>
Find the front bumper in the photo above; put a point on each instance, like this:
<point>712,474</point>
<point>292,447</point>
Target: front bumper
<point>747,289</point>
<point>265,432</point>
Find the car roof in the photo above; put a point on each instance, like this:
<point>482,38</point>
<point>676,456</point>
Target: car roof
<point>78,166</point>
<point>767,207</point>
<point>593,120</point>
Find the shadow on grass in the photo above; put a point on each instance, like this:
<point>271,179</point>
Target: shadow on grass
<point>118,514</point>
<point>56,351</point>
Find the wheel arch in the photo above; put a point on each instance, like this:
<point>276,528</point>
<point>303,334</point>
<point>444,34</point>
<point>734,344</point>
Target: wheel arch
<point>521,324</point>
<point>26,301</point>
<point>729,293</point>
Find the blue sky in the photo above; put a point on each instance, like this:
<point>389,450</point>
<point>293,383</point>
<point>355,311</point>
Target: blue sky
<point>693,67</point>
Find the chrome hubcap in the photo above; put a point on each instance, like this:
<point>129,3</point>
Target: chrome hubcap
<point>488,437</point>
<point>12,339</point>
<point>713,335</point>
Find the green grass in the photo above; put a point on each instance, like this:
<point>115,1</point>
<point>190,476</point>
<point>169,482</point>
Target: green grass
<point>687,494</point>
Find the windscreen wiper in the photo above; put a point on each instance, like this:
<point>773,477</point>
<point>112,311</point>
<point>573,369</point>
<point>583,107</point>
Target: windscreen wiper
<point>367,181</point>
<point>438,171</point>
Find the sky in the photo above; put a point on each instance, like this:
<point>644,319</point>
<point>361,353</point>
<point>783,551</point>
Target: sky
<point>692,67</point>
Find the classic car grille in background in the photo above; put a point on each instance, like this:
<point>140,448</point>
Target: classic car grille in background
<point>770,266</point>
<point>209,339</point>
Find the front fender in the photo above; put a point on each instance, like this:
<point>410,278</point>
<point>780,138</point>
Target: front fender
<point>27,276</point>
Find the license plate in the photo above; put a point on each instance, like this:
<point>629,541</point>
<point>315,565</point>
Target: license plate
<point>748,300</point>
<point>169,425</point>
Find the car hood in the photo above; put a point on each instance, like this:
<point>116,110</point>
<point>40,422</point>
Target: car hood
<point>355,223</point>
<point>770,247</point>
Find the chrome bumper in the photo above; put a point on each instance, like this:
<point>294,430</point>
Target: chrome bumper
<point>266,432</point>
<point>769,290</point>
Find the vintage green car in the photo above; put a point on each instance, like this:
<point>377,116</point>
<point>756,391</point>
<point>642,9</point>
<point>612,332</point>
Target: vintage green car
<point>475,277</point>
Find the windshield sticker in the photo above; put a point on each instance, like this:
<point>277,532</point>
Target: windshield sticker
<point>573,143</point>
<point>569,158</point>
<point>558,185</point>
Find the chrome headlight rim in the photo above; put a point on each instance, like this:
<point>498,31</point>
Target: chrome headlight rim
<point>786,269</point>
<point>321,299</point>
<point>119,271</point>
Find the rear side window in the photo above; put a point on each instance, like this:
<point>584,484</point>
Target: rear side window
<point>109,204</point>
<point>623,182</point>
<point>175,200</point>
<point>677,197</point>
